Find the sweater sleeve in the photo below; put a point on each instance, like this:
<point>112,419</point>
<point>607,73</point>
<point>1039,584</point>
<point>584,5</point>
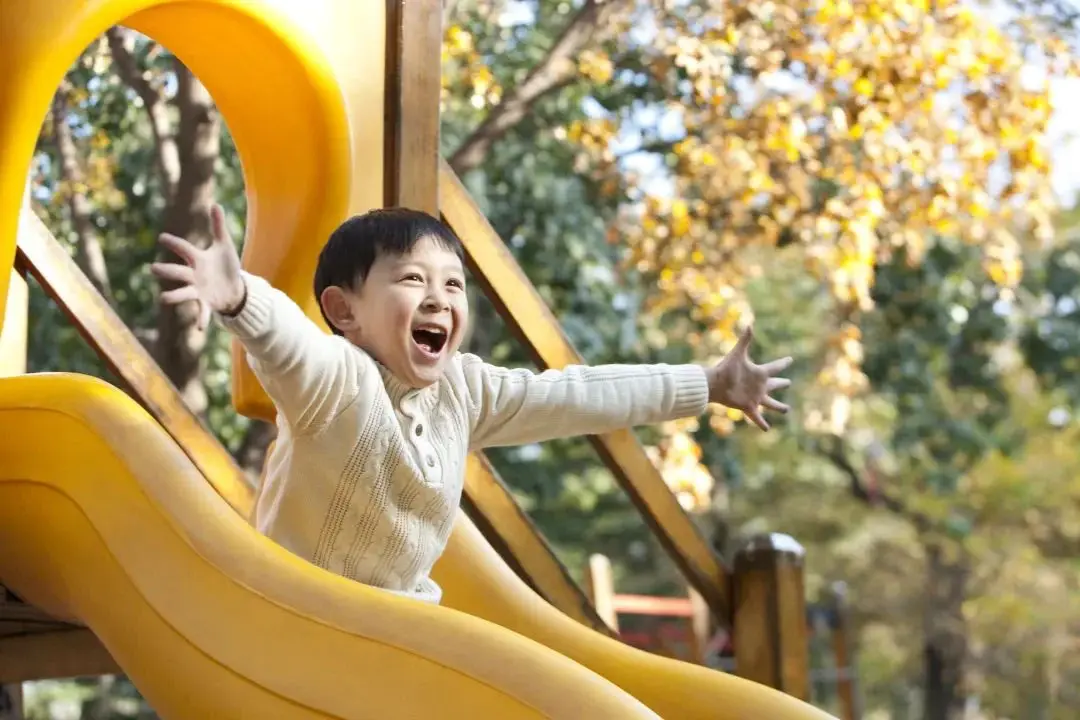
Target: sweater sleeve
<point>514,407</point>
<point>310,375</point>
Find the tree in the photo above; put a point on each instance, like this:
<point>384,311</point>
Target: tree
<point>845,132</point>
<point>933,507</point>
<point>864,144</point>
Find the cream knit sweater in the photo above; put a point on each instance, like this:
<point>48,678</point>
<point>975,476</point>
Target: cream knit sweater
<point>366,474</point>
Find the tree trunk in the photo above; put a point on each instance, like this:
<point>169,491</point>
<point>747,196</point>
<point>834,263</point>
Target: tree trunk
<point>946,643</point>
<point>252,450</point>
<point>179,341</point>
<point>89,253</point>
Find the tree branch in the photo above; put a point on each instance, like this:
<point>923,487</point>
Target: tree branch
<point>198,141</point>
<point>866,489</point>
<point>121,43</point>
<point>449,10</point>
<point>89,252</point>
<point>654,146</point>
<point>555,71</point>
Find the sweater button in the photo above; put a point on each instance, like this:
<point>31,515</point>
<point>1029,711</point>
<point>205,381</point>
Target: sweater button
<point>431,460</point>
<point>419,430</point>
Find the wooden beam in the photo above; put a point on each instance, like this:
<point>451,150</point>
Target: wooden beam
<point>842,656</point>
<point>600,584</point>
<point>771,636</point>
<point>502,521</point>
<point>701,625</point>
<point>61,654</point>
<point>525,311</point>
<point>653,605</point>
<point>19,618</point>
<point>43,257</point>
<point>411,115</point>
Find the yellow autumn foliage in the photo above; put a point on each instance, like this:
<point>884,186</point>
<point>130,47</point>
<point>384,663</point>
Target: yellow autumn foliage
<point>678,458</point>
<point>848,130</point>
<point>465,72</point>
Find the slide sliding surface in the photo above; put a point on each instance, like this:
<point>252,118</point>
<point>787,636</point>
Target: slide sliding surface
<point>104,520</point>
<point>476,580</point>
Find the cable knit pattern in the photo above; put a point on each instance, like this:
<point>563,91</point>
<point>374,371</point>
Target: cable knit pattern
<point>366,475</point>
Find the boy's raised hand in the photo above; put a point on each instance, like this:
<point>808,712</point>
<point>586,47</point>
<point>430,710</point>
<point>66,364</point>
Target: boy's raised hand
<point>210,276</point>
<point>738,383</point>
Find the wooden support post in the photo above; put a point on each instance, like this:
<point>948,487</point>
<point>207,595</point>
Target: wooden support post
<point>411,115</point>
<point>61,653</point>
<point>842,655</point>
<point>771,637</point>
<point>600,587</point>
<point>700,625</point>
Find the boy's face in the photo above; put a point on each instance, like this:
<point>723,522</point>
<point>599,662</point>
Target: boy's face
<point>410,313</point>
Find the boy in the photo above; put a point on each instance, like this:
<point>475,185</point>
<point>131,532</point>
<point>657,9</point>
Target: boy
<point>375,421</point>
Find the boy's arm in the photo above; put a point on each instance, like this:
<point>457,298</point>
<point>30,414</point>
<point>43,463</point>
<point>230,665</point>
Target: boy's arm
<point>309,374</point>
<point>514,407</point>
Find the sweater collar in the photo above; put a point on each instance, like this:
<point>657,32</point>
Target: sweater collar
<point>402,394</point>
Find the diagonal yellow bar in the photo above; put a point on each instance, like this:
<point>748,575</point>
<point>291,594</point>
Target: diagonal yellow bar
<point>520,304</point>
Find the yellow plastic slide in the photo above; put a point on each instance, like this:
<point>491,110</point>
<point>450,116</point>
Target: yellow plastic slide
<point>105,521</point>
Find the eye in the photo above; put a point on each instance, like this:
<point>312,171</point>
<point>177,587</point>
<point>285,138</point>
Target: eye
<point>412,277</point>
<point>456,283</point>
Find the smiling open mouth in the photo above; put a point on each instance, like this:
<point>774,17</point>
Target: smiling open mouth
<point>431,340</point>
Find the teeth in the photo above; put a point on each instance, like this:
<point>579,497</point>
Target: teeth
<point>431,329</point>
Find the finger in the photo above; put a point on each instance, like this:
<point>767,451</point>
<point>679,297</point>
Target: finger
<point>179,295</point>
<point>217,224</point>
<point>173,271</point>
<point>185,250</point>
<point>774,404</point>
<point>756,418</point>
<point>204,316</point>
<point>744,340</point>
<point>776,384</point>
<point>777,366</point>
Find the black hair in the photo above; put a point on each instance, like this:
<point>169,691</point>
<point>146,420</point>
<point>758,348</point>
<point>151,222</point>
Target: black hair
<point>357,243</point>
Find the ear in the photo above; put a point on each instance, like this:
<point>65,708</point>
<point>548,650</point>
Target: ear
<point>335,303</point>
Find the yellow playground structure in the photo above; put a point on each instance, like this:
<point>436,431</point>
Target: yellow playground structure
<point>123,528</point>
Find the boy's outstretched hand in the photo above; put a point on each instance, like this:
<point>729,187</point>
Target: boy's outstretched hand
<point>740,384</point>
<point>211,276</point>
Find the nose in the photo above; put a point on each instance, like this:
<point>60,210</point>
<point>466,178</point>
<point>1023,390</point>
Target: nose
<point>436,301</point>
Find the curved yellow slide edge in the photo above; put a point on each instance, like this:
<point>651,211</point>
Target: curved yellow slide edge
<point>104,520</point>
<point>477,581</point>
